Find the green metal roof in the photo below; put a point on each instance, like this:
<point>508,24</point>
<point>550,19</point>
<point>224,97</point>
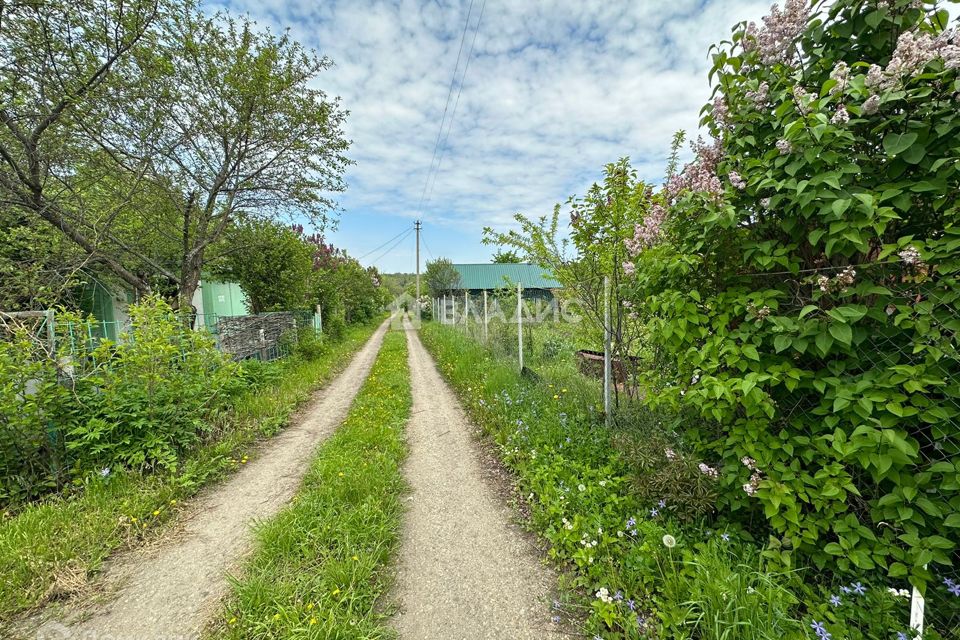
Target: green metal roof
<point>499,275</point>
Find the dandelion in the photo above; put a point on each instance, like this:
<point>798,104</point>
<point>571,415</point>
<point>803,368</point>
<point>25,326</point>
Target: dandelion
<point>669,541</point>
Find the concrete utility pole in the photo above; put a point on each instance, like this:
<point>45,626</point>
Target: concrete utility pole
<point>418,225</point>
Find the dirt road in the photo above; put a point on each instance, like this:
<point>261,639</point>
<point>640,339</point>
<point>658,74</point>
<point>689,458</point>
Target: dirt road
<point>466,572</point>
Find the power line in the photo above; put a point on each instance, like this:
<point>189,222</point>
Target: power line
<point>463,78</point>
<point>383,245</point>
<point>392,247</point>
<point>453,77</point>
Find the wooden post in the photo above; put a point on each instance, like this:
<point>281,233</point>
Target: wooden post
<point>485,336</point>
<point>520,321</point>
<point>607,382</point>
<point>466,309</point>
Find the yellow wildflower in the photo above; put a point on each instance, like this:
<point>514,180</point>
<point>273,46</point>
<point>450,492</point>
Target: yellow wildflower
<point>313,621</point>
<point>276,616</point>
<point>336,591</point>
<point>157,512</point>
<point>232,621</point>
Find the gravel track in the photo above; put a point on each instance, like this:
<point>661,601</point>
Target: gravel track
<point>171,590</point>
<point>466,571</point>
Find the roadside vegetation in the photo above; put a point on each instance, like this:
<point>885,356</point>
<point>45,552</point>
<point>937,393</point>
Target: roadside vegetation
<point>50,544</point>
<point>320,567</point>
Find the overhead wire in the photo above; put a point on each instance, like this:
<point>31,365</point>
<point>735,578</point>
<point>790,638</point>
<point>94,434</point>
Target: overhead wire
<point>392,247</point>
<point>446,106</point>
<point>384,244</point>
<point>453,114</point>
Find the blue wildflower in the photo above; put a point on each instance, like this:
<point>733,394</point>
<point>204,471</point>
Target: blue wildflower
<point>725,537</point>
<point>556,619</point>
<point>858,588</point>
<point>902,636</point>
<point>845,589</point>
<point>820,630</point>
<point>835,600</point>
<point>654,512</point>
<point>954,589</point>
<point>631,523</point>
<point>662,504</point>
<point>618,595</point>
<point>631,605</point>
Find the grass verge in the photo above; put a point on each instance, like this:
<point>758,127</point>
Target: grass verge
<point>320,565</point>
<point>49,549</point>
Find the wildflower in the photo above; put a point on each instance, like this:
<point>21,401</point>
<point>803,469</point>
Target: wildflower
<point>835,600</point>
<point>902,636</point>
<point>157,512</point>
<point>555,619</point>
<point>173,502</point>
<point>870,106</point>
<point>902,593</point>
<point>631,523</point>
<point>840,117</point>
<point>820,630</point>
<point>556,605</point>
<point>669,541</point>
<point>232,621</point>
<point>784,146</point>
<point>845,589</point>
<point>310,606</point>
<point>858,588</point>
<point>654,512</point>
<point>276,616</point>
<point>708,471</point>
<point>618,596</point>
<point>104,472</point>
<point>670,453</point>
<point>631,605</point>
<point>662,503</point>
<point>603,595</point>
<point>725,537</point>
<point>953,588</point>
<point>582,487</point>
<point>737,181</point>
<point>313,621</point>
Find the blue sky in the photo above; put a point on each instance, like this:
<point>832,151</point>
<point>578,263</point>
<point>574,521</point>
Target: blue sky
<point>555,89</point>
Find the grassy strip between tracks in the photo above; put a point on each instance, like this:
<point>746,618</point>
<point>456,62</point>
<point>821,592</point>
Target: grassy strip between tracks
<point>322,564</point>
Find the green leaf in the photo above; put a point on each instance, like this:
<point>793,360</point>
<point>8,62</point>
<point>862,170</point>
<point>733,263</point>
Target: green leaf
<point>896,143</point>
<point>842,333</point>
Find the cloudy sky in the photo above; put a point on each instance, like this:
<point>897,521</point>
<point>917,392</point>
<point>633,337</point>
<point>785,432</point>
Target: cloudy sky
<point>553,91</point>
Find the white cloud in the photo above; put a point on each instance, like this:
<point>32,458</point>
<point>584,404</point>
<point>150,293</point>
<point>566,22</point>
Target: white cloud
<point>555,90</point>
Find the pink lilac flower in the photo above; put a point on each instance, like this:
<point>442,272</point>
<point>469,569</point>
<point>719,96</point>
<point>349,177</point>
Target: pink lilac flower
<point>841,116</point>
<point>759,97</point>
<point>871,105</point>
<point>628,268</point>
<point>840,73</point>
<point>721,112</point>
<point>784,146</point>
<point>802,98</point>
<point>699,176</point>
<point>910,256</point>
<point>913,53</point>
<point>647,233</point>
<point>708,471</point>
<point>749,462</point>
<point>736,180</point>
<point>774,41</point>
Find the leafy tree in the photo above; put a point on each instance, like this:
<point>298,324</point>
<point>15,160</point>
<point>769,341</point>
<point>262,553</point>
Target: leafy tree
<point>270,262</point>
<point>245,132</point>
<point>64,67</point>
<point>505,256</point>
<point>441,277</point>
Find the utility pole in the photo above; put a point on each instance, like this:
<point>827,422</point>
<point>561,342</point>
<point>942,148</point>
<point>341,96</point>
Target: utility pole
<point>418,225</point>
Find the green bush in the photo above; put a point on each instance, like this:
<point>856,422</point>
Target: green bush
<point>801,278</point>
<point>146,399</point>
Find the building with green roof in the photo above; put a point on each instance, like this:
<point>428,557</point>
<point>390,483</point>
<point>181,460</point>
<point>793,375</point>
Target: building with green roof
<point>537,281</point>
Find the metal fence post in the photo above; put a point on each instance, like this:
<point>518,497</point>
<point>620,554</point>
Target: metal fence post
<point>520,322</point>
<point>485,336</point>
<point>466,310</point>
<point>916,611</point>
<point>606,349</point>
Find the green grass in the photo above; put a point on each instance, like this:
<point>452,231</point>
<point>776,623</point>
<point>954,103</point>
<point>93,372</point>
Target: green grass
<point>321,565</point>
<point>50,548</point>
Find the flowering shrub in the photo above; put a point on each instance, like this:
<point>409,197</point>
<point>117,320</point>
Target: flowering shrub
<point>802,280</point>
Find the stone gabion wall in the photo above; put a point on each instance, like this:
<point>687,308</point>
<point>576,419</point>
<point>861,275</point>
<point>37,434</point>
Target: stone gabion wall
<point>254,336</point>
